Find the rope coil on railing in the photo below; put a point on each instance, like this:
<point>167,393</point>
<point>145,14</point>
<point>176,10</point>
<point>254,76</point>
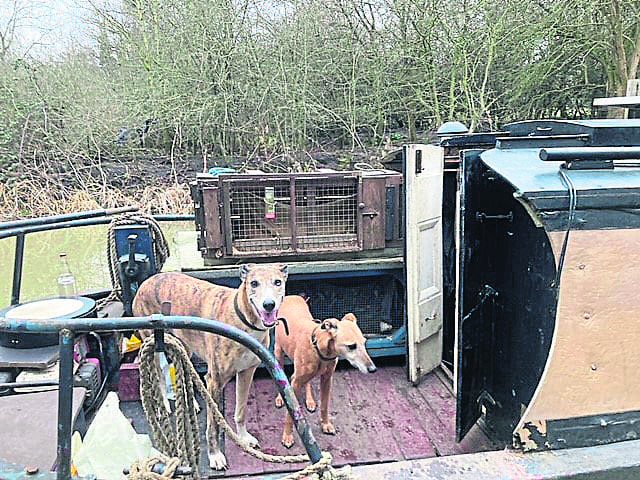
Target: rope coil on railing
<point>185,442</point>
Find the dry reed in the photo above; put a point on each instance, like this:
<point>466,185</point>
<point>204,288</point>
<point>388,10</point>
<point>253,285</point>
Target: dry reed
<point>30,199</point>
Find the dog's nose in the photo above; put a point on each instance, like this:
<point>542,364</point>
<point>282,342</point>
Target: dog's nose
<point>269,305</point>
<point>372,368</point>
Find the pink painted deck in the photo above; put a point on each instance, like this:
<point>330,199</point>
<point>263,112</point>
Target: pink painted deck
<point>379,417</point>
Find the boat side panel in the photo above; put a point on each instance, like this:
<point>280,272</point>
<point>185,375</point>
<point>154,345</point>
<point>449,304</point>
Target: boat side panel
<point>594,366</point>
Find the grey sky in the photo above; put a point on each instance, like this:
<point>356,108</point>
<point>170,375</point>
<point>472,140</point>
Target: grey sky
<point>45,28</point>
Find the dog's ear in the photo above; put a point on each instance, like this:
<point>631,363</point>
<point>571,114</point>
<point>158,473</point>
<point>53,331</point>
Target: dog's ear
<point>350,317</point>
<point>244,270</point>
<point>284,268</point>
<point>330,325</point>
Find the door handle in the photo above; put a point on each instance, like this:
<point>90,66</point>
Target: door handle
<point>370,213</point>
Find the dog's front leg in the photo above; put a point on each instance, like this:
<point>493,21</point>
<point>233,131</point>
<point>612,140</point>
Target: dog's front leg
<point>217,460</point>
<point>287,434</point>
<point>309,400</point>
<point>325,391</point>
<point>243,384</point>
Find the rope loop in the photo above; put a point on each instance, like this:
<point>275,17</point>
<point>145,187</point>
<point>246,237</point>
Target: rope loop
<point>143,469</point>
<point>183,442</point>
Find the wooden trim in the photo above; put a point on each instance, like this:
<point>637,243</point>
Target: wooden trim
<point>211,207</point>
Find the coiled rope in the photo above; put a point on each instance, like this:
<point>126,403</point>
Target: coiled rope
<point>160,250</point>
<point>183,441</point>
<point>143,469</point>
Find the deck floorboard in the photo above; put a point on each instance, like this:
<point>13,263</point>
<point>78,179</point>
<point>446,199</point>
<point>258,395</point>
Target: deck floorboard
<point>443,405</point>
<point>379,417</point>
<point>399,415</point>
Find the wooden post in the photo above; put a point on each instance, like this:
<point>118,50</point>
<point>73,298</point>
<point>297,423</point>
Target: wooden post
<point>633,90</point>
<point>618,107</point>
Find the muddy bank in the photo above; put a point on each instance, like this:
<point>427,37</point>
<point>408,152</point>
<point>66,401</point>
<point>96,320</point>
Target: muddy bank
<point>133,173</point>
<point>157,184</point>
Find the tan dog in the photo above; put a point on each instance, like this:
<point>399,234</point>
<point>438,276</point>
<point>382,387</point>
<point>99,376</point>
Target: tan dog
<point>252,307</point>
<point>315,349</point>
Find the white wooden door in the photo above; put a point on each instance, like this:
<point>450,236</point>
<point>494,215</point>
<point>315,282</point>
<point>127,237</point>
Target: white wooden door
<point>424,166</point>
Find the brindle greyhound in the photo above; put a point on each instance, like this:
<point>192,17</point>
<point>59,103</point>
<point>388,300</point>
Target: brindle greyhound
<point>252,307</point>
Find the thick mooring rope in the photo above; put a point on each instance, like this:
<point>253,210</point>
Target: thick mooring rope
<point>160,250</point>
<point>185,442</point>
<point>143,469</point>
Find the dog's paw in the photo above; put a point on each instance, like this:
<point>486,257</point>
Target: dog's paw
<point>287,440</point>
<point>250,439</point>
<point>279,401</point>
<point>218,461</point>
<point>311,405</point>
<point>328,428</point>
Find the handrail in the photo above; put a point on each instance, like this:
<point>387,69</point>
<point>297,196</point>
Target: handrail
<point>21,228</point>
<point>80,222</point>
<point>66,217</point>
<point>67,328</point>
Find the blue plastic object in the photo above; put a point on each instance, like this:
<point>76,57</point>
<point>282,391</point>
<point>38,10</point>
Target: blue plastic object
<point>215,171</point>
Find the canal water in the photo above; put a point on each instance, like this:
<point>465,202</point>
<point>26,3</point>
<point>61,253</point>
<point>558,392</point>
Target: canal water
<point>86,249</point>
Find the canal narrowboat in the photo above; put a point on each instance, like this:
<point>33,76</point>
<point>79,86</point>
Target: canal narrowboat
<point>492,274</point>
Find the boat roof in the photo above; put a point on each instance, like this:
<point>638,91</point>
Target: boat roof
<point>609,181</point>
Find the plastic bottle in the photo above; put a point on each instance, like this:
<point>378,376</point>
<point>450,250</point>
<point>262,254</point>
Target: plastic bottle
<point>66,280</point>
<point>270,201</point>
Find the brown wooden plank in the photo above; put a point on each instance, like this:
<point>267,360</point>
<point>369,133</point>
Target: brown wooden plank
<point>240,463</point>
<point>270,421</point>
<point>374,200</point>
<point>349,444</point>
<point>213,238</point>
<point>335,444</point>
<point>428,409</point>
<point>379,417</point>
<point>32,418</point>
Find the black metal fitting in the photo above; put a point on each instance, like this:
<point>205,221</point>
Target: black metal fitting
<point>481,217</point>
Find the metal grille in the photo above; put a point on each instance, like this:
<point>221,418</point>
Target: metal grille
<point>377,301</point>
<point>326,216</point>
<point>325,219</point>
<point>260,222</point>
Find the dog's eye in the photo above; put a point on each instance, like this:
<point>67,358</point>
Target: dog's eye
<point>353,346</point>
<point>254,284</point>
<point>277,282</point>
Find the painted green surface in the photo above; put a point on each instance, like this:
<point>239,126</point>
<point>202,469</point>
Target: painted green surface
<point>86,250</point>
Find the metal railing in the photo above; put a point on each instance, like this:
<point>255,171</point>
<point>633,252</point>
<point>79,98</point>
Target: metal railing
<point>68,328</point>
<point>20,229</point>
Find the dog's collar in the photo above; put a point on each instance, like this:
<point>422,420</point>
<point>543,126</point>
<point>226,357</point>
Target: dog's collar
<point>243,319</point>
<point>314,342</point>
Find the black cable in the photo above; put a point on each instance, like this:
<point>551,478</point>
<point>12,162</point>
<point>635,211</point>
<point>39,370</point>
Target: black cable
<point>573,201</point>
